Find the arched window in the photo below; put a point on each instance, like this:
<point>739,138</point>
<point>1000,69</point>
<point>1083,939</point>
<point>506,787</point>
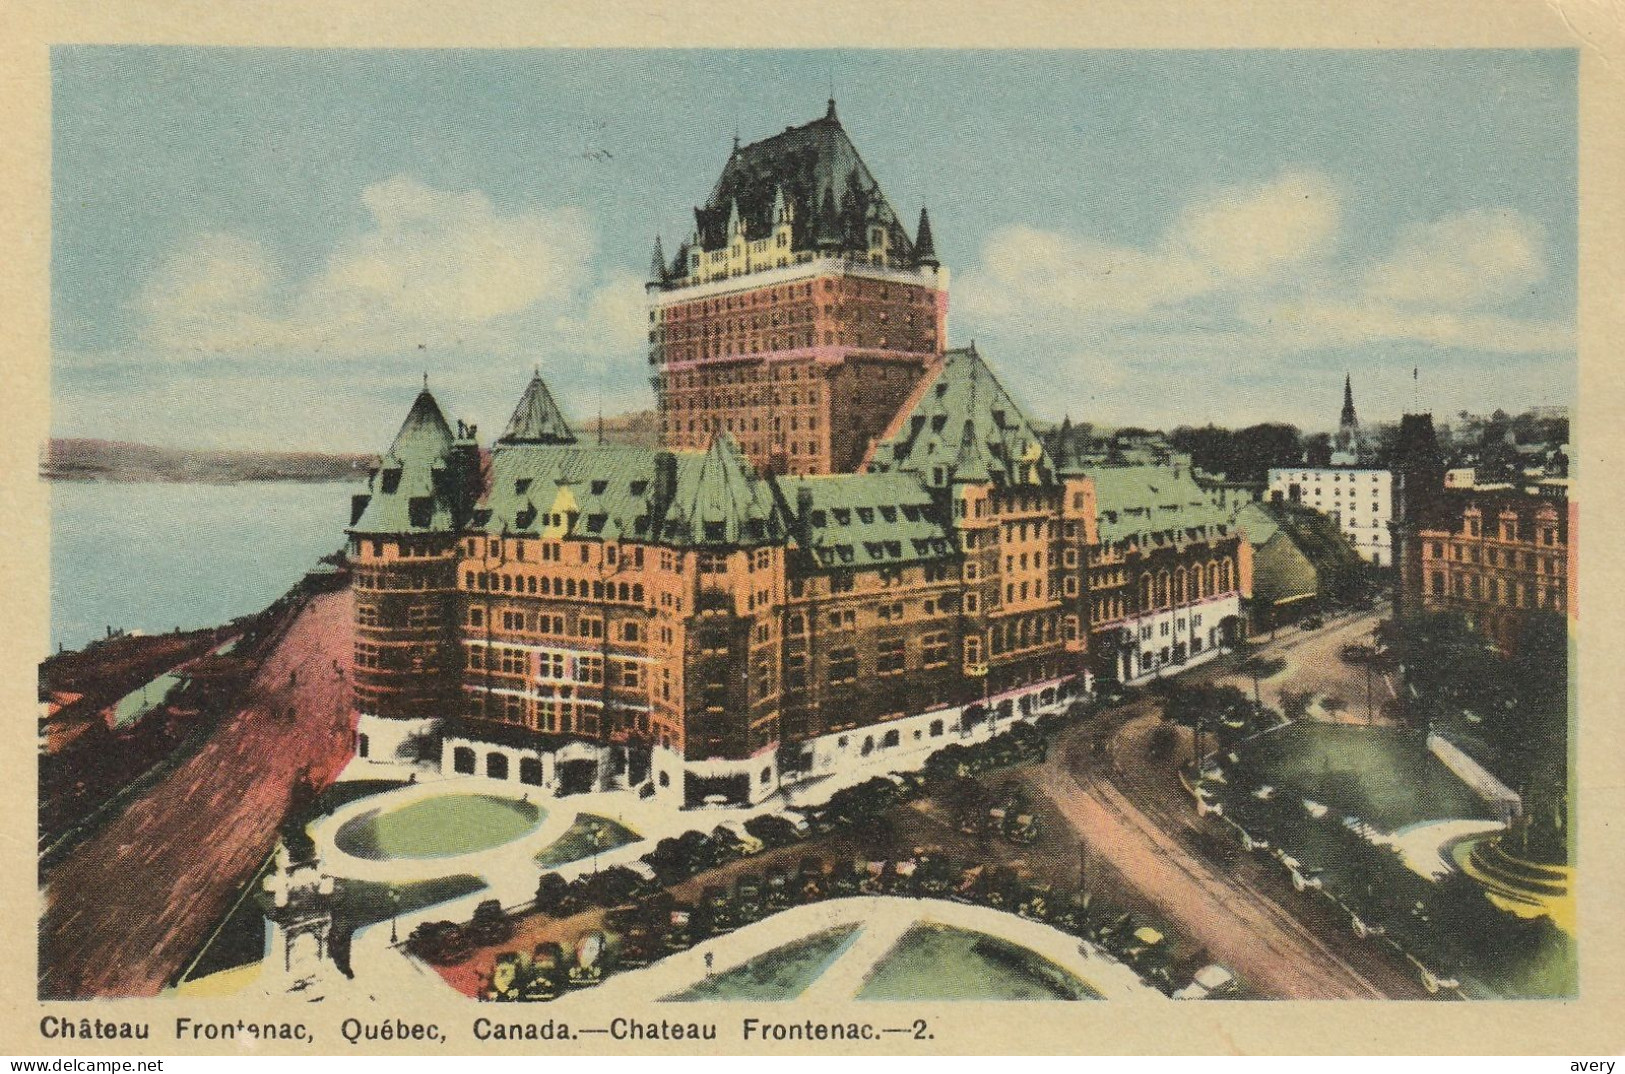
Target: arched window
<point>1212,579</point>
<point>1179,586</point>
<point>1162,590</point>
<point>1145,591</point>
<point>1224,576</point>
<point>462,761</point>
<point>361,745</point>
<point>496,765</point>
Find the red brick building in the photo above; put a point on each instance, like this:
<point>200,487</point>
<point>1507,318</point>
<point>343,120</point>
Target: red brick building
<point>800,314</point>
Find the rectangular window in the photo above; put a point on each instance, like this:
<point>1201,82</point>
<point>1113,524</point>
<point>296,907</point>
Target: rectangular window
<point>843,665</point>
<point>889,657</point>
<point>934,650</point>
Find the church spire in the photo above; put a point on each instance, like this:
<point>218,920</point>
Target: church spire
<point>1348,446</point>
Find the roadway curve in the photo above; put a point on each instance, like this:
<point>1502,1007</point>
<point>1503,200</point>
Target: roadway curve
<point>1228,909</point>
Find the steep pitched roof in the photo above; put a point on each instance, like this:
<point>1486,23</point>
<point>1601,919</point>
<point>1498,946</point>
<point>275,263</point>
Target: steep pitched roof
<point>865,520</point>
<point>1153,504</point>
<point>409,491</point>
<point>424,433</point>
<point>816,171</point>
<point>537,419</point>
<point>726,503</point>
<point>961,425</point>
<point>622,492</point>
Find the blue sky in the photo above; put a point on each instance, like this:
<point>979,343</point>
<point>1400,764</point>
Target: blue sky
<point>267,247</point>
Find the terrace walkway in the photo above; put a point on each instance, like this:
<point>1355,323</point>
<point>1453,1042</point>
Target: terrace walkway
<point>884,920</point>
<point>126,908</point>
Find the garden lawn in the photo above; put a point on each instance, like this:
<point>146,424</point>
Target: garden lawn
<point>1383,776</point>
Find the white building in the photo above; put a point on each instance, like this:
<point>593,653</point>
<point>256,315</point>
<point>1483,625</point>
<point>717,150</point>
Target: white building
<point>1360,499</point>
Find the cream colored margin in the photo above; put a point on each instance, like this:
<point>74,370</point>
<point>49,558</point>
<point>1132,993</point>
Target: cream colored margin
<point>1591,1025</point>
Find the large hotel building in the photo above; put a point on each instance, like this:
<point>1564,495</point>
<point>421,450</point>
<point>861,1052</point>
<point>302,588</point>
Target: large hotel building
<point>850,549</point>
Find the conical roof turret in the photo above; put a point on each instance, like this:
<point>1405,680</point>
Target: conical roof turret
<point>925,250</point>
<point>537,419</point>
<point>657,264</point>
<point>424,435</point>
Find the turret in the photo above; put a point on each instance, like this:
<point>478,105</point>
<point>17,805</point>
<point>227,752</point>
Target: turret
<point>925,250</point>
<point>657,267</point>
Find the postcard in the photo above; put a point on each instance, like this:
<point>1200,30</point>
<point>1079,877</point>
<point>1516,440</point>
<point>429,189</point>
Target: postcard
<point>606,536</point>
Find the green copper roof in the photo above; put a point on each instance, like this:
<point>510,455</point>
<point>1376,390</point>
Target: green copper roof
<point>537,420</point>
<point>963,426</point>
<point>1153,504</point>
<point>865,520</point>
<point>726,503</point>
<point>409,492</point>
<point>1256,524</point>
<point>619,492</point>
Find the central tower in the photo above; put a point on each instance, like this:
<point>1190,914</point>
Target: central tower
<point>799,316</point>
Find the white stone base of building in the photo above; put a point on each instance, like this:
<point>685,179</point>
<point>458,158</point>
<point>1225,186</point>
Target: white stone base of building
<point>850,756</point>
<point>1171,640</point>
<point>902,745</point>
<point>384,741</point>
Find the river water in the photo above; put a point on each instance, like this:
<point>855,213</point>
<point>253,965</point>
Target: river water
<point>155,556</point>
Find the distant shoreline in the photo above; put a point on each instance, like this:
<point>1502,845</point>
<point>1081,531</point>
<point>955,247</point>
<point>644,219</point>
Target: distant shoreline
<point>113,462</point>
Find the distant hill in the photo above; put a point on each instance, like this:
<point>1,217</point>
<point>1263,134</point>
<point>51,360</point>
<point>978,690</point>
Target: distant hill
<point>640,428</point>
<point>111,460</point>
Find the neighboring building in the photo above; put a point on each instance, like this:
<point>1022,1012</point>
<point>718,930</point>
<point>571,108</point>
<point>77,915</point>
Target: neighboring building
<point>1165,579</point>
<point>1296,561</point>
<point>1418,481</point>
<point>710,620</point>
<point>1498,556</point>
<point>800,314</point>
<point>1358,497</point>
<point>1231,495</point>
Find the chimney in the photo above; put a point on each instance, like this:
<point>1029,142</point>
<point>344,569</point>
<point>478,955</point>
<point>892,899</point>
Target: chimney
<point>665,488</point>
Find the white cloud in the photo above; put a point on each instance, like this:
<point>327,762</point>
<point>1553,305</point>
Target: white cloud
<point>1247,233</point>
<point>1317,324</point>
<point>209,292</point>
<point>1464,260</point>
<point>433,268</point>
<point>1241,234</point>
<point>1249,276</point>
<point>614,321</point>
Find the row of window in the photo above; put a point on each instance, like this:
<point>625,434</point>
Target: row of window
<point>1497,591</point>
<point>1495,557</point>
<point>548,586</point>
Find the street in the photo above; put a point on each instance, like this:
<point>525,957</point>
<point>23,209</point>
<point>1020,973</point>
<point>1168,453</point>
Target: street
<point>1133,812</point>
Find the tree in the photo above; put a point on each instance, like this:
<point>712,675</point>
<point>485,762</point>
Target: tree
<point>1203,707</point>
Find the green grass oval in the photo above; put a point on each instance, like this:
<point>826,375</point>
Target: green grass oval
<point>440,827</point>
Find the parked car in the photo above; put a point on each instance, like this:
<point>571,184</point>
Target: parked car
<point>590,962</point>
<point>547,973</point>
